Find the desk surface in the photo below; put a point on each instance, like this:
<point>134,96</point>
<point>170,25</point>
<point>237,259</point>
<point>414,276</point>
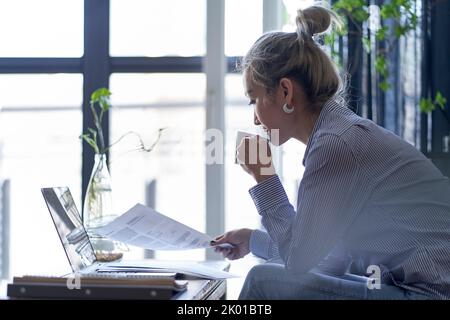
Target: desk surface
<point>198,289</point>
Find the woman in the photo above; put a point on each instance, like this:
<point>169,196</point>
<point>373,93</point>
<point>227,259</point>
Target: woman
<point>373,214</point>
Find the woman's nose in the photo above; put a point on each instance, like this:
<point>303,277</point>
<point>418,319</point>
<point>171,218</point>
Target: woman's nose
<point>256,120</point>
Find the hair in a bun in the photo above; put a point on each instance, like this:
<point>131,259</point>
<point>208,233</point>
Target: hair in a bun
<point>315,20</point>
<point>296,55</point>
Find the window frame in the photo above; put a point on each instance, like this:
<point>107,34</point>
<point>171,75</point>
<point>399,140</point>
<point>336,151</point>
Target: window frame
<point>96,66</point>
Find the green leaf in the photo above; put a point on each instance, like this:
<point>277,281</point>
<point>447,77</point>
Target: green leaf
<point>414,20</point>
<point>348,5</point>
<point>105,103</point>
<point>390,10</point>
<point>99,93</point>
<point>343,5</point>
<point>399,2</point>
<point>92,131</point>
<point>94,134</point>
<point>360,15</point>
<point>381,33</point>
<point>380,66</point>
<point>384,85</point>
<point>440,100</point>
<point>400,30</point>
<point>407,4</point>
<point>101,96</point>
<point>330,38</point>
<point>86,137</point>
<point>426,105</point>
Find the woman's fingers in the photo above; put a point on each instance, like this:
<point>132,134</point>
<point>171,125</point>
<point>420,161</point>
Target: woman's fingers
<point>219,239</point>
<point>233,254</point>
<point>229,253</point>
<point>243,166</point>
<point>242,151</point>
<point>224,251</point>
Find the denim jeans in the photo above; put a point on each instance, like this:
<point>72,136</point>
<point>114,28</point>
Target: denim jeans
<point>272,282</point>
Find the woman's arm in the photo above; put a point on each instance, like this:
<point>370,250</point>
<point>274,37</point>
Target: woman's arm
<point>263,247</point>
<point>331,194</point>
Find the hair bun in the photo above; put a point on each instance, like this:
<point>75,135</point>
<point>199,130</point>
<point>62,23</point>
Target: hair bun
<point>315,20</point>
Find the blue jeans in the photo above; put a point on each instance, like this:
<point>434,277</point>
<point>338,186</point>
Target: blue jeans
<point>272,282</point>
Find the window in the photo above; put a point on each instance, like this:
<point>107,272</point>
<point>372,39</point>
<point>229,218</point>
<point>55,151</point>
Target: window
<point>243,25</point>
<point>291,7</point>
<point>39,127</point>
<point>158,28</point>
<point>143,103</point>
<point>240,210</point>
<point>46,28</point>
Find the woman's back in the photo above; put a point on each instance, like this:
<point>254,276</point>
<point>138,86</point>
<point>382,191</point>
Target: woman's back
<point>404,225</point>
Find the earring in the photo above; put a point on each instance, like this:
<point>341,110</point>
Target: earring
<point>286,109</point>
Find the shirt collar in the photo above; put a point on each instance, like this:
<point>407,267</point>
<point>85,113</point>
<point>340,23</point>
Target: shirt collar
<point>326,109</point>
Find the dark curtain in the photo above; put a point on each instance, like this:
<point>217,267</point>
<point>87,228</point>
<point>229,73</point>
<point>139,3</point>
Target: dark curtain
<point>437,72</point>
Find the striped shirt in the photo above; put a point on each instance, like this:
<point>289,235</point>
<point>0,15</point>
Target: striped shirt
<point>366,198</point>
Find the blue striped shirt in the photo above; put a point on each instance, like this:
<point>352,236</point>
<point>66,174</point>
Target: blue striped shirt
<point>366,198</point>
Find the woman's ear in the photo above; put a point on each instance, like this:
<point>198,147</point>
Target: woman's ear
<point>287,90</point>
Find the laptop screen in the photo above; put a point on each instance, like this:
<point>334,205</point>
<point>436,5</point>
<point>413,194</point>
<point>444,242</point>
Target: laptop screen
<point>70,229</point>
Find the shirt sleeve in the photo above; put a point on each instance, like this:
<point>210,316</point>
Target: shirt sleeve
<point>262,246</point>
<point>330,195</point>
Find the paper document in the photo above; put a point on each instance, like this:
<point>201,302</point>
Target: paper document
<point>144,227</point>
<point>190,268</point>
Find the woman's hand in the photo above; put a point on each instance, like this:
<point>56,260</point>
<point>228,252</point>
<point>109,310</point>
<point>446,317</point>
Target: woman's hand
<point>239,238</point>
<point>255,157</point>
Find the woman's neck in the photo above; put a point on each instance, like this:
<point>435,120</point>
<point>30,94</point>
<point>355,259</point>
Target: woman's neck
<point>304,126</point>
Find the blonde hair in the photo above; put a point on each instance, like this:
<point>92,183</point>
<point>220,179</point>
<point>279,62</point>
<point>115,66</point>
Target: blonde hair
<point>296,55</point>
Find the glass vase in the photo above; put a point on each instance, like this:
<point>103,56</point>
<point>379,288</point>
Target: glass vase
<point>98,211</point>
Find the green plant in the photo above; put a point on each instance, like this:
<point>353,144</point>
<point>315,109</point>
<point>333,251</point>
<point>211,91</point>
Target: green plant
<point>428,105</point>
<point>403,15</point>
<point>100,99</point>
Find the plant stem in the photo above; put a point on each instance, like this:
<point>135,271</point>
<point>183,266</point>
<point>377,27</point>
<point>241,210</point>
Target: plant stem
<point>141,142</point>
<point>100,133</point>
<point>99,128</point>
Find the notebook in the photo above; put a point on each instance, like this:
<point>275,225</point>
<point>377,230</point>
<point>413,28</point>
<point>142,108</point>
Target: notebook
<point>96,286</point>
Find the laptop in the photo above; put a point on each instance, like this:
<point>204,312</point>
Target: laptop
<point>81,254</point>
